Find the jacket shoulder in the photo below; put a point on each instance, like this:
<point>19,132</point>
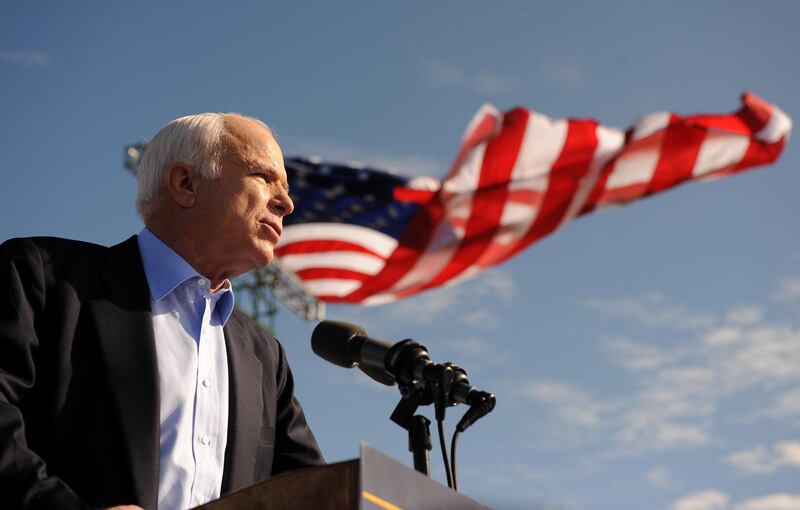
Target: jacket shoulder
<point>252,328</point>
<point>51,247</point>
<point>77,264</point>
<point>260,340</point>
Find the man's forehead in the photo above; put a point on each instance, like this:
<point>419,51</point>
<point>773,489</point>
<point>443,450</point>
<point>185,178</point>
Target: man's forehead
<point>243,132</point>
<point>253,144</point>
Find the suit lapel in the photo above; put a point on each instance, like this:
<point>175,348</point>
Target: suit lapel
<point>245,407</point>
<point>125,333</point>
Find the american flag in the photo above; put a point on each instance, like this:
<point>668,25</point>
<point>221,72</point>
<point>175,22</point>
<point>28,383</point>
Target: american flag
<point>361,235</point>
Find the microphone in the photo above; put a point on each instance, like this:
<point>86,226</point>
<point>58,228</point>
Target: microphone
<point>348,345</point>
<point>406,362</point>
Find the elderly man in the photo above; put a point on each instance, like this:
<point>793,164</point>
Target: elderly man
<point>126,376</point>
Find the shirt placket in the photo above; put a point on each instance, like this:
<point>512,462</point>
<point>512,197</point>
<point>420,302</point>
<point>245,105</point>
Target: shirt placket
<point>206,415</point>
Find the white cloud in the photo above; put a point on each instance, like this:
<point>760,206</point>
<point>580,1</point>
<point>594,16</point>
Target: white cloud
<point>783,405</point>
<point>460,304</point>
<point>672,408</point>
<point>484,81</point>
<point>744,316</point>
<point>754,460</point>
<point>653,310</point>
<point>565,70</point>
<point>677,400</point>
<point>660,477</point>
<point>638,356</point>
<point>683,393</point>
<point>511,474</point>
<point>767,357</point>
<point>572,406</point>
<point>788,290</point>
<point>650,431</point>
<point>476,353</point>
<point>465,302</point>
<point>442,73</point>
<point>679,389</point>
<point>723,336</point>
<point>24,57</point>
<point>490,83</point>
<point>761,459</point>
<point>780,501</point>
<point>711,499</point>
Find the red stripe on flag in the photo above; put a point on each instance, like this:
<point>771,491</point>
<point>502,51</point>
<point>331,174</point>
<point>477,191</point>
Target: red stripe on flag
<point>483,130</point>
<point>525,196</point>
<point>321,246</point>
<point>758,153</point>
<point>755,113</point>
<point>679,150</point>
<point>600,185</point>
<point>748,120</point>
<point>319,273</point>
<point>420,229</point>
<point>417,196</point>
<point>490,198</point>
<point>649,145</point>
<point>412,244</point>
<point>570,167</point>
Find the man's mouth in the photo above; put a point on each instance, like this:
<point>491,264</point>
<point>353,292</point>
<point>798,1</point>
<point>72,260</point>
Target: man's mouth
<point>273,226</point>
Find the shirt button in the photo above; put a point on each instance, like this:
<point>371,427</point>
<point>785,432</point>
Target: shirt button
<point>200,500</point>
<point>202,283</point>
<point>205,440</point>
<point>206,383</point>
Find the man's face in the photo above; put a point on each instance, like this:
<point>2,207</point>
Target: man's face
<point>243,208</point>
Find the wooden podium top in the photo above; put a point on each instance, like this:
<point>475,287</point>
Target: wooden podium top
<point>372,482</point>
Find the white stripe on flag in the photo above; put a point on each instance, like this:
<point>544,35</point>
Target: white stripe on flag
<point>486,110</point>
<point>650,123</point>
<point>719,150</point>
<point>332,286</point>
<point>353,261</point>
<point>373,240</point>
<point>777,127</point>
<point>634,167</point>
<point>541,145</point>
<point>447,235</point>
<point>379,299</point>
<point>609,142</point>
<point>468,175</point>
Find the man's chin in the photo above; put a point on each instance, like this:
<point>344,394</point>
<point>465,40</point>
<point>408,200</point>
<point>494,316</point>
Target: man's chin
<point>265,257</point>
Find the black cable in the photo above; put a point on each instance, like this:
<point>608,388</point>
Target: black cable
<point>453,458</point>
<point>440,427</point>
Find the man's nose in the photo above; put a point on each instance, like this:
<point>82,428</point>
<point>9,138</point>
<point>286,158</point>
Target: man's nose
<point>282,204</point>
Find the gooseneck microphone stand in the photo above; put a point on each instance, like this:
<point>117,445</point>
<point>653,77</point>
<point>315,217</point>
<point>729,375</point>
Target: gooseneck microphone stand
<point>418,426</point>
<point>422,382</point>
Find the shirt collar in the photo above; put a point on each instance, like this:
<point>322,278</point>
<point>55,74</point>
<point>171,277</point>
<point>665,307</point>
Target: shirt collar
<point>165,270</point>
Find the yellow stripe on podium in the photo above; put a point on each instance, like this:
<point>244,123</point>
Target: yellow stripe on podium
<point>380,502</point>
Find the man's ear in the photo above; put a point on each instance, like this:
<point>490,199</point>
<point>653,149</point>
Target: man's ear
<point>180,181</point>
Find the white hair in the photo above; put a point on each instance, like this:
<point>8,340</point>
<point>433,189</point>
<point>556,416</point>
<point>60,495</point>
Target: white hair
<point>195,140</point>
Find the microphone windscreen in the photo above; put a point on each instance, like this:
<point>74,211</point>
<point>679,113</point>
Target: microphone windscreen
<point>330,338</point>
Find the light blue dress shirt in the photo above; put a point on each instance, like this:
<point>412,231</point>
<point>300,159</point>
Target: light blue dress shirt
<point>193,375</point>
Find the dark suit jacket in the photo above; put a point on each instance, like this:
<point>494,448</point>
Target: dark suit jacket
<point>79,391</point>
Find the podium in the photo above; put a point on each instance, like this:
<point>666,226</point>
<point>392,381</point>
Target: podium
<point>371,482</point>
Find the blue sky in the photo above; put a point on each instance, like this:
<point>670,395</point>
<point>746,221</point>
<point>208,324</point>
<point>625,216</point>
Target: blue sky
<point>647,357</point>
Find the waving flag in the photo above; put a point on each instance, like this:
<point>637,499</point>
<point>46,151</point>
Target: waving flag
<point>361,235</point>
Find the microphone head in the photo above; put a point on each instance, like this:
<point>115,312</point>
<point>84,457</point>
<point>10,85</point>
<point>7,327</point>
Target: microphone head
<point>330,341</point>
